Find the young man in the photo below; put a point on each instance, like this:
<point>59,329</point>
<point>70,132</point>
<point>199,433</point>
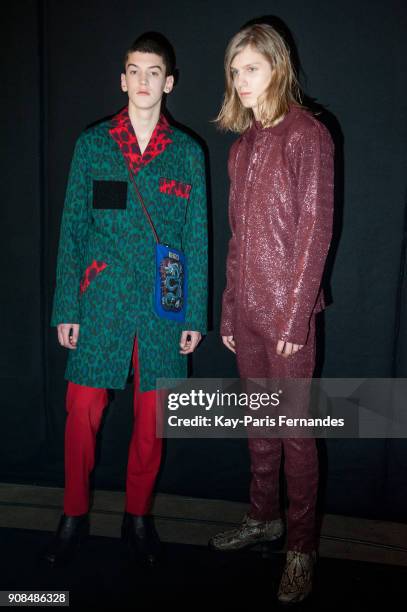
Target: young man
<point>104,300</point>
<point>281,210</point>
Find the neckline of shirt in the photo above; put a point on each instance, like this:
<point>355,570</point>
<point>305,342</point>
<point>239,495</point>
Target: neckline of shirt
<point>281,126</point>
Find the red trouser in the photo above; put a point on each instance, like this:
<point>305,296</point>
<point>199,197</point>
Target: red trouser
<point>85,406</point>
<point>257,358</point>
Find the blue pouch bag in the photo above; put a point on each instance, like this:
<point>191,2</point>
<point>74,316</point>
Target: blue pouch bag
<point>170,295</point>
<point>170,291</point>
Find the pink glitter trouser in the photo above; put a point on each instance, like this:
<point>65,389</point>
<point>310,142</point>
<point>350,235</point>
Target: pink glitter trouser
<point>257,358</point>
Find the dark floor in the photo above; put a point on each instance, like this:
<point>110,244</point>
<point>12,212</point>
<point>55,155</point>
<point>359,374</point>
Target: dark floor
<point>102,577</point>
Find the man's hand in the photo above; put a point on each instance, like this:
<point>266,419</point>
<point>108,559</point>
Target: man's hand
<point>64,338</point>
<point>229,342</point>
<point>189,345</point>
<point>285,349</point>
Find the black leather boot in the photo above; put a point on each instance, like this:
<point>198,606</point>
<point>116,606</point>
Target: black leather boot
<point>141,539</point>
<point>71,532</point>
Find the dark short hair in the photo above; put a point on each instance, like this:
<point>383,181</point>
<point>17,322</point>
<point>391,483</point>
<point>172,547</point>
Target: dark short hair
<point>154,42</point>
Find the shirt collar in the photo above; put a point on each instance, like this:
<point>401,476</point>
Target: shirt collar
<point>123,133</point>
<point>122,119</point>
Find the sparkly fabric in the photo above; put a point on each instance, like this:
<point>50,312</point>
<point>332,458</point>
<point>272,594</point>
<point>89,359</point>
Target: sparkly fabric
<point>257,358</point>
<point>280,212</point>
<point>123,133</point>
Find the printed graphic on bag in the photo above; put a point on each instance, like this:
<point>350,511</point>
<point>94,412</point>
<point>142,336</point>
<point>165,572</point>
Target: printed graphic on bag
<point>172,187</point>
<point>171,273</point>
<point>90,273</point>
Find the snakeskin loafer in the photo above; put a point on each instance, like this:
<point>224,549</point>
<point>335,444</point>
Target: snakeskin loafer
<point>296,580</point>
<point>249,533</point>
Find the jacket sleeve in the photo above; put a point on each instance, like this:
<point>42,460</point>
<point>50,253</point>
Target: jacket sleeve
<point>195,245</point>
<point>72,240</point>
<point>314,169</point>
<point>228,299</point>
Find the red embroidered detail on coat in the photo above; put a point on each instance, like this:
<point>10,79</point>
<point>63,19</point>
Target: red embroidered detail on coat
<point>123,133</point>
<point>91,271</point>
<point>177,188</point>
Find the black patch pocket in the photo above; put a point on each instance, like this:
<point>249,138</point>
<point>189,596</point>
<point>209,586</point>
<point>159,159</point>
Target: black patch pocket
<point>109,195</point>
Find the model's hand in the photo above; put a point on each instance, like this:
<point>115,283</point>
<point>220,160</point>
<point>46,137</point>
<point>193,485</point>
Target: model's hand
<point>285,349</point>
<point>189,341</point>
<point>229,342</point>
<point>66,340</point>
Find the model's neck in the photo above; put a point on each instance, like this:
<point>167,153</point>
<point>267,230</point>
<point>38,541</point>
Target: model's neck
<point>145,117</point>
<point>143,122</point>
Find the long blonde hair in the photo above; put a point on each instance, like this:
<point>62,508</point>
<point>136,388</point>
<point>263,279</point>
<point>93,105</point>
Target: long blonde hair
<point>283,90</point>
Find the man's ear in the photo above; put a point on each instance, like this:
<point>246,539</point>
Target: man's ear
<point>169,84</point>
<point>123,82</point>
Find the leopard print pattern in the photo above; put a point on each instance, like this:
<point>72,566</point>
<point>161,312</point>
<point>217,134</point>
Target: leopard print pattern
<point>118,302</point>
<point>123,133</point>
<point>90,273</point>
<point>176,187</point>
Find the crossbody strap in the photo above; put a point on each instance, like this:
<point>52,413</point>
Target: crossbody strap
<point>142,202</point>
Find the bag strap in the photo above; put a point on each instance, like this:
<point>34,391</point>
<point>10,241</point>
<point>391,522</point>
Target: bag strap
<point>142,201</point>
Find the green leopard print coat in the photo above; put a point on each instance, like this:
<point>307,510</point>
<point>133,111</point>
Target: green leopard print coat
<point>106,269</point>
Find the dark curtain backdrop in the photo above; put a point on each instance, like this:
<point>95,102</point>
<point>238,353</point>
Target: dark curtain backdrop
<point>61,64</point>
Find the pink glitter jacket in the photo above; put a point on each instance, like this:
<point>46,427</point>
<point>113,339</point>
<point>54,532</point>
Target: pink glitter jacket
<point>280,213</point>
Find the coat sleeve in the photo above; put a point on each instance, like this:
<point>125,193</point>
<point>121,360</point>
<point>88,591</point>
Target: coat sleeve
<point>314,169</point>
<point>228,299</point>
<point>195,245</point>
<point>72,240</point>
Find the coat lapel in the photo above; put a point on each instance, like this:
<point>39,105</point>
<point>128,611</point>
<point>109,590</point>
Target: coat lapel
<point>122,132</point>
